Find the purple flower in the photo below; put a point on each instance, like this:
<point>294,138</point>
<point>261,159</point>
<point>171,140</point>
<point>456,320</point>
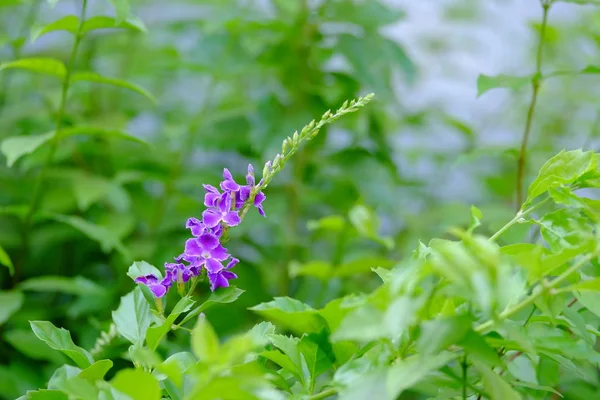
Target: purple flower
<point>212,196</point>
<point>222,278</point>
<point>213,216</point>
<point>157,287</point>
<point>198,228</point>
<point>181,272</point>
<point>205,251</point>
<point>229,185</point>
<point>245,191</point>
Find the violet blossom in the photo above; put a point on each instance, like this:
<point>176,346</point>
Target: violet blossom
<point>204,251</point>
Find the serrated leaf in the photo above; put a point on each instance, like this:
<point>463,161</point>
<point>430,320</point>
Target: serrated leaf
<point>291,313</point>
<point>106,22</point>
<point>10,302</point>
<point>564,168</point>
<point>94,77</point>
<point>60,339</point>
<point>487,82</point>
<point>205,343</point>
<point>133,317</point>
<point>6,261</point>
<point>48,66</point>
<point>15,147</point>
<point>69,23</point>
<point>137,384</point>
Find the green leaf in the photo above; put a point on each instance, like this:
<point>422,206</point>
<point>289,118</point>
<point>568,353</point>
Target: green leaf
<point>141,268</point>
<point>48,66</point>
<point>317,360</point>
<point>564,168</point>
<point>69,23</point>
<point>5,260</point>
<point>105,22</point>
<point>133,316</point>
<point>580,328</point>
<point>478,349</point>
<point>476,217</point>
<point>102,132</point>
<point>60,339</point>
<point>582,2</point>
<point>121,9</point>
<point>291,313</point>
<point>28,344</point>
<point>10,302</point>
<point>333,223</point>
<point>15,147</point>
<point>137,384</point>
<point>156,333</point>
<point>44,394</point>
<point>79,388</point>
<point>438,334</point>
<point>487,82</point>
<point>495,386</point>
<point>89,189</point>
<point>221,296</point>
<point>174,367</point>
<point>77,285</point>
<point>592,285</point>
<point>205,343</point>
<point>364,220</point>
<point>565,228</point>
<point>318,269</point>
<point>105,238</point>
<point>411,370</point>
<point>362,265</point>
<point>590,300</point>
<point>94,77</point>
<point>96,371</point>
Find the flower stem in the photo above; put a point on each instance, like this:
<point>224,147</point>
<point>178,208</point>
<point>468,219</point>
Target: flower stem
<point>324,394</point>
<point>534,296</point>
<point>535,88</point>
<point>37,187</point>
<point>517,218</point>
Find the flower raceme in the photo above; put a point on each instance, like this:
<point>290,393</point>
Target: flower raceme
<point>204,251</point>
<point>204,254</point>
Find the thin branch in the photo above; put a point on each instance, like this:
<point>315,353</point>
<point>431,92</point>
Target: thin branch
<point>535,85</point>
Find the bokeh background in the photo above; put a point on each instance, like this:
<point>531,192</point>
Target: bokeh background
<point>232,79</point>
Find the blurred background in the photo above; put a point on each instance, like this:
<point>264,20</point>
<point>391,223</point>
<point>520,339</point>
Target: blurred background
<point>232,79</point>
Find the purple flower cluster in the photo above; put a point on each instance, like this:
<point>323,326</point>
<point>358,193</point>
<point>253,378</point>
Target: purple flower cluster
<point>204,250</point>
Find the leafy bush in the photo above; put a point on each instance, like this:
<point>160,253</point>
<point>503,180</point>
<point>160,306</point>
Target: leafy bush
<point>329,300</point>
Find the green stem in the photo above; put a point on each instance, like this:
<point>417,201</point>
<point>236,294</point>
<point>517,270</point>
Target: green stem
<point>37,187</point>
<point>534,296</point>
<point>465,382</point>
<point>323,395</point>
<point>517,218</point>
<point>535,86</point>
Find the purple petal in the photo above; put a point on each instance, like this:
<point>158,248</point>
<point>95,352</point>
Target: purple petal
<point>219,253</point>
<point>228,275</point>
<point>211,218</point>
<point>192,248</point>
<point>158,290</point>
<point>210,199</point>
<point>216,230</point>
<point>261,211</point>
<point>245,193</point>
<point>232,262</point>
<point>230,186</point>
<point>227,175</point>
<point>225,203</point>
<point>211,189</point>
<point>217,281</point>
<point>146,279</point>
<point>250,177</point>
<point>259,198</point>
<point>213,266</point>
<point>208,241</point>
<point>232,218</point>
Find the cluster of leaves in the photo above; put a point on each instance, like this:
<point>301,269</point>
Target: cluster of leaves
<point>463,317</point>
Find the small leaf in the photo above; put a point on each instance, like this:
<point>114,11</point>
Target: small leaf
<point>137,384</point>
<point>364,220</point>
<point>5,260</point>
<point>156,333</point>
<point>205,343</point>
<point>60,339</point>
<point>15,147</point>
<point>564,168</point>
<point>292,314</point>
<point>495,386</point>
<point>141,268</point>
<point>133,317</point>
<point>69,23</point>
<point>333,223</point>
<point>476,217</point>
<point>10,302</point>
<point>96,371</point>
<point>486,82</point>
<point>174,367</point>
<point>94,77</point>
<point>121,9</point>
<point>438,334</point>
<point>222,296</point>
<point>105,22</point>
<point>48,66</point>
<point>318,269</point>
